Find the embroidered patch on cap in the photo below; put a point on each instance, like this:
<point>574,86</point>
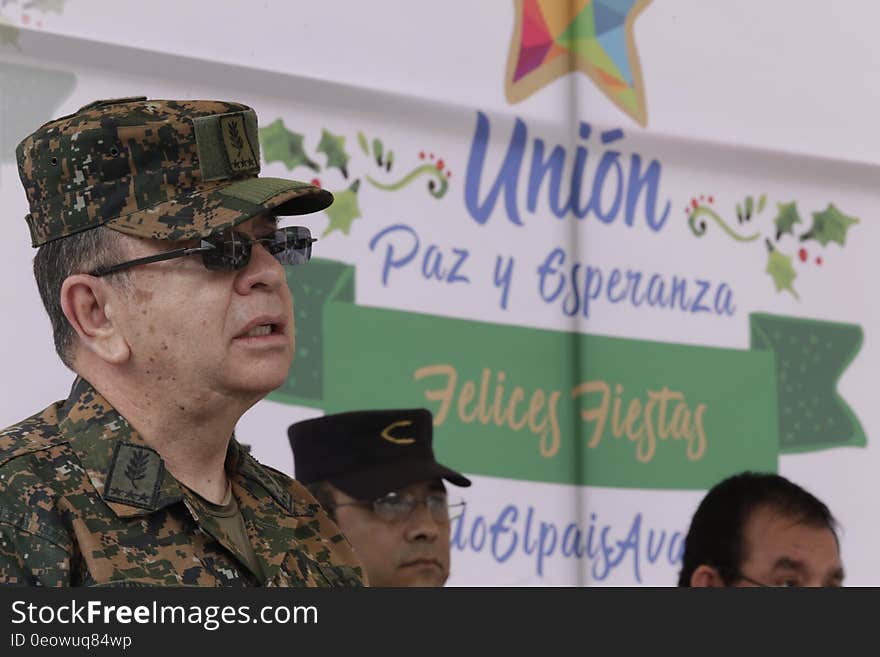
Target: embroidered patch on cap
<point>386,433</point>
<point>135,476</point>
<point>239,152</point>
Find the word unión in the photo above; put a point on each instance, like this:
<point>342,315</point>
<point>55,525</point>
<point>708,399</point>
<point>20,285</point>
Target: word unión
<point>615,185</point>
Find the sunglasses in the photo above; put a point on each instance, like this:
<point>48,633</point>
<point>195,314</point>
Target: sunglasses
<point>230,250</point>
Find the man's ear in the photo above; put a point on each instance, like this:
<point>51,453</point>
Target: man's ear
<point>89,303</point>
<point>706,576</point>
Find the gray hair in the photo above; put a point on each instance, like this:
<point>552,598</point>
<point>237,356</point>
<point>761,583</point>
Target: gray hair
<point>74,254</point>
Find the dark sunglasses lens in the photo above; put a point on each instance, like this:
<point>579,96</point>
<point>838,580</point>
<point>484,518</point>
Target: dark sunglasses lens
<point>290,246</point>
<point>232,251</point>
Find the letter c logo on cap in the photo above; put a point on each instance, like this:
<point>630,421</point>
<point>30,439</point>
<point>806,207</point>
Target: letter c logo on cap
<point>386,433</point>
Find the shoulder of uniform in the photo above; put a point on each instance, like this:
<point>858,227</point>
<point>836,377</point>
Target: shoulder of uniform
<point>37,433</point>
<point>289,493</point>
<point>29,471</point>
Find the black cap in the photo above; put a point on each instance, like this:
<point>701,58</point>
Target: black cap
<point>367,454</point>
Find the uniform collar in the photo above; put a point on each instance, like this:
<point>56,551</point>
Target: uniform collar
<point>127,473</point>
<point>130,476</point>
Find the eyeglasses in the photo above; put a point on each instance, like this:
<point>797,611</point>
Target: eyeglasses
<point>230,250</point>
<point>787,584</point>
<point>755,582</point>
<point>394,507</point>
<point>791,580</point>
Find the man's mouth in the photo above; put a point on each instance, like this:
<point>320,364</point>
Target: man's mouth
<point>262,329</point>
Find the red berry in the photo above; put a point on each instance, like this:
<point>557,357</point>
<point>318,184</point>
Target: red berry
<point>819,260</point>
<point>316,182</point>
<point>694,203</point>
<point>440,165</point>
<point>802,254</point>
<point>421,155</point>
<point>711,200</point>
<point>449,174</point>
<point>702,198</point>
<point>432,156</point>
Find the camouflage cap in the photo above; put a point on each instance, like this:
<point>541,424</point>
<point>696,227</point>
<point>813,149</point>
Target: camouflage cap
<point>165,169</point>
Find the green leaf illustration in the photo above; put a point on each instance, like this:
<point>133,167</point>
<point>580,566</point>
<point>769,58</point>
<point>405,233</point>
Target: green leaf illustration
<point>749,204</point>
<point>378,151</point>
<point>333,146</point>
<point>786,217</point>
<point>344,211</point>
<point>282,145</point>
<point>762,201</point>
<point>781,271</point>
<point>830,225</point>
<point>362,140</point>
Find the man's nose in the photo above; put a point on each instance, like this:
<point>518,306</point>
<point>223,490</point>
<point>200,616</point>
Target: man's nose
<point>421,525</point>
<point>262,270</point>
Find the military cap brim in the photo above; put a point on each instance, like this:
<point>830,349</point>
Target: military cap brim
<point>377,481</point>
<point>210,207</point>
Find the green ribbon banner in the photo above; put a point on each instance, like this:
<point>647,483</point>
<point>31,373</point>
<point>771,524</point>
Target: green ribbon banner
<point>553,406</point>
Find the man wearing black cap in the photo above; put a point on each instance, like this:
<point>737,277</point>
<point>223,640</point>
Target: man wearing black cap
<point>375,473</point>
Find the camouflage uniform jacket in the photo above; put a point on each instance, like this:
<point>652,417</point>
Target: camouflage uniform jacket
<point>85,502</point>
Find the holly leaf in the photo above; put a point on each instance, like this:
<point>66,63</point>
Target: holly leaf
<point>282,145</point>
<point>786,217</point>
<point>830,225</point>
<point>333,146</point>
<point>344,210</point>
<point>781,271</point>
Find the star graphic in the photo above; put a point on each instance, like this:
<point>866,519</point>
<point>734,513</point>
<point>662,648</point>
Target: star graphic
<point>553,37</point>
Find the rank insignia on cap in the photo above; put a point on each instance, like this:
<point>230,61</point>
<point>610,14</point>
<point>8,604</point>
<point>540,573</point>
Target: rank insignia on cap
<point>359,452</point>
<point>386,433</point>
<point>239,152</point>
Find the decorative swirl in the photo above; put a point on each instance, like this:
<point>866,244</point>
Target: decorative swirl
<point>699,228</point>
<point>436,187</point>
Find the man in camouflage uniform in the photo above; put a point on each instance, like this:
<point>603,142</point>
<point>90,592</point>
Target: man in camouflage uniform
<point>175,324</point>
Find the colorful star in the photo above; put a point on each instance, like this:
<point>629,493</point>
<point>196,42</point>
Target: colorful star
<point>552,38</point>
